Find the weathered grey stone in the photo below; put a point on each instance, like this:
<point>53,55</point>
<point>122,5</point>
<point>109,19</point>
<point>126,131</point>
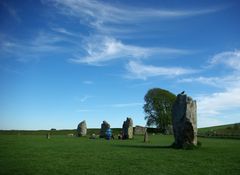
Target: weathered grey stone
<point>48,135</point>
<point>82,129</point>
<point>127,129</point>
<point>93,136</point>
<point>184,116</point>
<point>145,137</point>
<point>169,130</point>
<point>104,126</point>
<point>139,130</point>
<point>70,135</point>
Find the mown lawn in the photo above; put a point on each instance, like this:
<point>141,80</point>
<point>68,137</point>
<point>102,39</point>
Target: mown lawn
<point>36,155</point>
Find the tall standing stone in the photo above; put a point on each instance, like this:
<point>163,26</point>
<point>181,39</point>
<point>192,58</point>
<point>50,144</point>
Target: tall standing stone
<point>184,116</point>
<point>104,127</point>
<point>82,129</point>
<point>127,129</point>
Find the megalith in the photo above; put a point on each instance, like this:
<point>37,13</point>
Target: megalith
<point>184,119</point>
<point>127,129</point>
<point>145,137</point>
<point>82,129</point>
<point>104,127</point>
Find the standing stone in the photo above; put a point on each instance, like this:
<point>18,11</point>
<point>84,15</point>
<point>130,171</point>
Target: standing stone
<point>48,136</point>
<point>93,136</point>
<point>82,129</point>
<point>169,130</point>
<point>104,127</point>
<point>127,129</point>
<point>184,116</point>
<point>145,137</point>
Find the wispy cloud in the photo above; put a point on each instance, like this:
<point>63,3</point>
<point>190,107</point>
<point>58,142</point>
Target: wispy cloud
<point>216,108</point>
<point>141,71</point>
<point>44,44</point>
<point>101,15</point>
<point>230,59</point>
<point>220,82</point>
<point>63,31</point>
<point>219,106</point>
<point>101,49</point>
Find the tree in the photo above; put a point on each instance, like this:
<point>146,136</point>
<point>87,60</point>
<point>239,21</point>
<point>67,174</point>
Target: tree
<point>158,108</point>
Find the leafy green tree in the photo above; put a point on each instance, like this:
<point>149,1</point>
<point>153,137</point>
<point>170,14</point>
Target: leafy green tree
<point>158,108</point>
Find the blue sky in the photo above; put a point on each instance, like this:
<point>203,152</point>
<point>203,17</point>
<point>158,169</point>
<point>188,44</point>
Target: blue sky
<point>64,61</point>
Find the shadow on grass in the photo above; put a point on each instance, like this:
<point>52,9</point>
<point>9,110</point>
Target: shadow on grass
<point>145,146</point>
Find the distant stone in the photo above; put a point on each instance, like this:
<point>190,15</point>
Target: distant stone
<point>82,129</point>
<point>93,136</point>
<point>145,137</point>
<point>127,129</point>
<point>48,136</point>
<point>169,130</point>
<point>184,116</point>
<point>104,127</point>
<point>139,130</point>
<point>119,136</point>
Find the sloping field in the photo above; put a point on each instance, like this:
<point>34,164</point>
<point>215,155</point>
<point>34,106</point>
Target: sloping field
<point>231,130</point>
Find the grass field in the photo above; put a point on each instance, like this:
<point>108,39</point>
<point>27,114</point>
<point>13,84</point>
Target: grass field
<point>36,155</point>
<point>230,131</point>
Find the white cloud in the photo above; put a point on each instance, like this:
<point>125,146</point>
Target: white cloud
<point>104,49</point>
<point>220,82</point>
<point>218,108</point>
<point>206,121</point>
<point>221,101</point>
<point>230,59</point>
<point>101,15</point>
<point>63,31</point>
<point>223,106</point>
<point>140,71</point>
<point>43,44</point>
<point>101,49</point>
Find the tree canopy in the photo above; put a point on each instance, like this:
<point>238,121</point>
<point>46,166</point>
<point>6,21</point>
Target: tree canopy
<point>158,108</point>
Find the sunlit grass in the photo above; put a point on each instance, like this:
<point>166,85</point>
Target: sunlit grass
<point>72,155</point>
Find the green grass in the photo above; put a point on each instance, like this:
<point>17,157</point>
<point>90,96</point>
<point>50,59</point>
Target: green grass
<point>222,130</point>
<point>55,132</point>
<point>36,155</point>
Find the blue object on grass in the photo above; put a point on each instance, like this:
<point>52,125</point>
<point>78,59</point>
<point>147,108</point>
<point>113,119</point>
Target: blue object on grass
<point>108,134</point>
